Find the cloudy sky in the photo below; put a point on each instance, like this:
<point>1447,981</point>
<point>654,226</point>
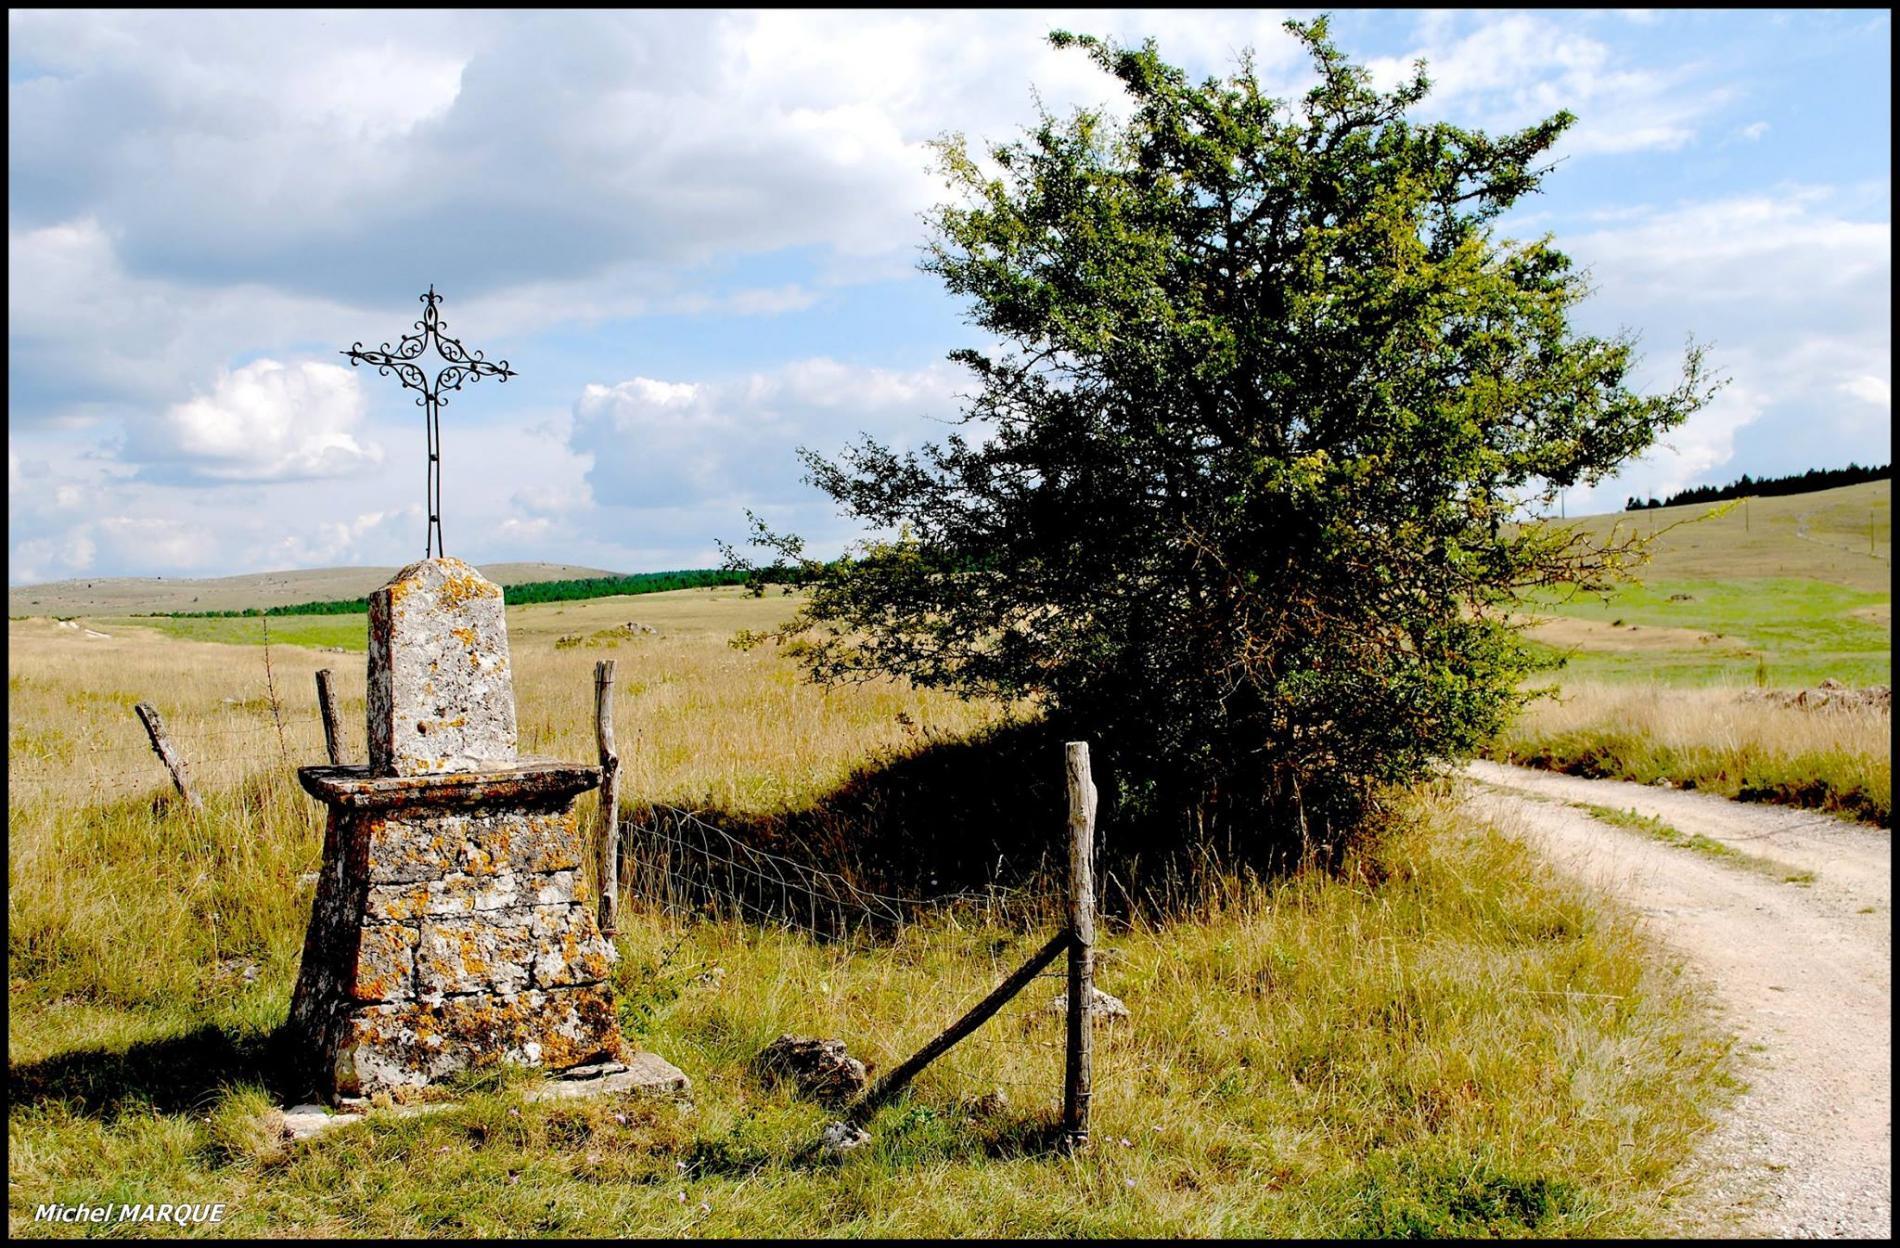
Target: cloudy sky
<point>695,236</point>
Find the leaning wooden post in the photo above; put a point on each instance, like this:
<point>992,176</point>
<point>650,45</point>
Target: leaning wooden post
<point>899,1079</point>
<point>1077,1086</point>
<point>332,735</point>
<point>167,753</point>
<point>607,830</point>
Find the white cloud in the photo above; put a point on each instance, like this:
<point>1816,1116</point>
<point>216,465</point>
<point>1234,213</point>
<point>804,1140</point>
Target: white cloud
<point>1515,69</point>
<point>265,421</point>
<point>187,196</point>
<point>1875,390</point>
<point>657,444</point>
<point>1753,130</point>
<point>368,537</point>
<point>1785,248</point>
<point>1793,299</point>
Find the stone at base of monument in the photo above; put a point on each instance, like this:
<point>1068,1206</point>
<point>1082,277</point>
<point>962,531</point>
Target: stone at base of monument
<point>446,931</point>
<point>643,1074</point>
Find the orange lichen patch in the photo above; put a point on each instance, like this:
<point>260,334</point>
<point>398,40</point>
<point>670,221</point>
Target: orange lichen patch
<point>389,1046</point>
<point>394,903</point>
<point>463,585</point>
<point>464,635</point>
<point>385,963</point>
<point>403,850</point>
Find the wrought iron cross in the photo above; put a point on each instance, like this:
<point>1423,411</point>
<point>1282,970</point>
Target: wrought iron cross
<point>463,366</point>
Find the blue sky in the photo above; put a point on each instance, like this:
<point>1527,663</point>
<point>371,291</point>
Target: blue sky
<point>695,237</point>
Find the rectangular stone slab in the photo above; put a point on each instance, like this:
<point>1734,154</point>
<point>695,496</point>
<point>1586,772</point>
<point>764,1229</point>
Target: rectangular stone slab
<point>531,783</point>
<point>441,695</point>
<point>446,932</point>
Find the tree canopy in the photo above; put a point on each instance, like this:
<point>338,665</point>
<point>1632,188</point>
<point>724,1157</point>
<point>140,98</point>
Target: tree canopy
<point>1263,397</point>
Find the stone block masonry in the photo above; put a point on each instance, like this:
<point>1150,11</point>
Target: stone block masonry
<point>446,932</point>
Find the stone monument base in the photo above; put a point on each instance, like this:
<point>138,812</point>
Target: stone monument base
<point>643,1075</point>
<point>447,933</point>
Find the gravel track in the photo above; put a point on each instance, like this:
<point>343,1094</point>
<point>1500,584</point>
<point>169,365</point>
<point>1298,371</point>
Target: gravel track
<point>1803,973</point>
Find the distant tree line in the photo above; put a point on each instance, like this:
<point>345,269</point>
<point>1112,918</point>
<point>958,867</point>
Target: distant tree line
<point>514,595</point>
<point>1767,487</point>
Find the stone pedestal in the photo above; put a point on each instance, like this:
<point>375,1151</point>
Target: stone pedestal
<point>446,932</point>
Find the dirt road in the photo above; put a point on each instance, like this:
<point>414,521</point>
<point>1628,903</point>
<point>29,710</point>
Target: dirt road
<point>1804,973</point>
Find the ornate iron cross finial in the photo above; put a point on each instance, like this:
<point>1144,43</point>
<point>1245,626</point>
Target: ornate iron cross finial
<point>463,366</point>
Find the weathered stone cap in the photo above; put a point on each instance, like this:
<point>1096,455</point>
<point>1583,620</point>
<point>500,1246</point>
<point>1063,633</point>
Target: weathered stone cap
<point>441,691</point>
<point>531,783</point>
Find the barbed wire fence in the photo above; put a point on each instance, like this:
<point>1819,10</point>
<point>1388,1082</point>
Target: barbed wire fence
<point>678,863</point>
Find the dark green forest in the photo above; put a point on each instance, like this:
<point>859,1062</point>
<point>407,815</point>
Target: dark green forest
<point>1768,487</point>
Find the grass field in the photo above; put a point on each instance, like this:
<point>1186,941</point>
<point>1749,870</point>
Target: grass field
<point>1442,1038</point>
<point>1782,591</point>
<point>1770,631</point>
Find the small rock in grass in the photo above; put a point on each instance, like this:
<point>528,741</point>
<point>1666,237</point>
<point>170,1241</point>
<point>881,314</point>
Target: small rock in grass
<point>820,1069</point>
<point>1102,1007</point>
<point>839,1138</point>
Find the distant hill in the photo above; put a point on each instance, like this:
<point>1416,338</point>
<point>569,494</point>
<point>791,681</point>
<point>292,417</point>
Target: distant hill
<point>133,595</point>
<point>1843,536</point>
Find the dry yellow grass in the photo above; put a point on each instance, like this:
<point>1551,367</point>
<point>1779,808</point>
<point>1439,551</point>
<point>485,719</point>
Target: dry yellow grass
<point>1728,741</point>
<point>1443,1039</point>
<point>697,722</point>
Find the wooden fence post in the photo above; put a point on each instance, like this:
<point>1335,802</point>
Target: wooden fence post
<point>607,830</point>
<point>167,753</point>
<point>332,736</point>
<point>1077,1086</point>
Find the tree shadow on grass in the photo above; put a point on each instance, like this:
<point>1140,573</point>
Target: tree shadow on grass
<point>985,818</point>
<point>175,1075</point>
<point>982,815</point>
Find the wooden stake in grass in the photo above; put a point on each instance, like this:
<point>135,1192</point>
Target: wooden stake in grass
<point>1077,1086</point>
<point>332,734</point>
<point>276,707</point>
<point>167,753</point>
<point>607,828</point>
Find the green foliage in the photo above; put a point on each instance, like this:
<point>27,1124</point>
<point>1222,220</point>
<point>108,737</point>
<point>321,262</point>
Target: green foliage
<point>1237,502</point>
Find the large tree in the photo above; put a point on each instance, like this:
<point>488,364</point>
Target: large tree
<point>1241,491</point>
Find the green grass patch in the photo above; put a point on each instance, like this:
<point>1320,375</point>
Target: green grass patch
<point>336,632</point>
<point>1695,842</point>
<point>1782,631</point>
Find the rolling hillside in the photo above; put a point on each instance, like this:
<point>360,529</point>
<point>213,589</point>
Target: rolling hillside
<point>1777,591</point>
<point>1822,536</point>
